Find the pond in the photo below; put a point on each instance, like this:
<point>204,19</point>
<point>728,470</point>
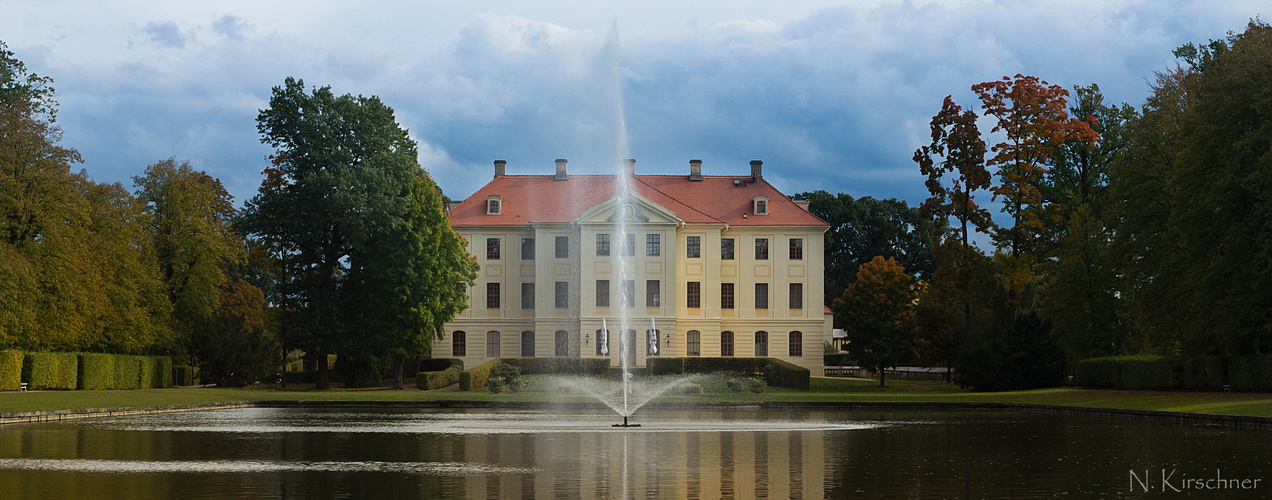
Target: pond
<point>740,452</point>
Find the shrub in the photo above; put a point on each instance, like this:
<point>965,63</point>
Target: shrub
<point>186,375</point>
<point>1250,373</point>
<point>440,364</point>
<point>427,381</point>
<point>477,376</point>
<point>1021,352</point>
<point>837,359</point>
<point>495,386</point>
<point>1205,373</point>
<point>779,373</point>
<point>735,385</point>
<point>10,370</point>
<point>782,373</point>
<point>756,385</point>
<point>509,376</point>
<point>47,370</point>
<point>689,388</point>
<point>560,366</point>
<point>96,371</point>
<point>665,366</point>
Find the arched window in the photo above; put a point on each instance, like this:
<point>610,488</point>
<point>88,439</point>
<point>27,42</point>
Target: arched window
<point>459,344</point>
<point>693,341</point>
<point>492,344</point>
<point>796,344</point>
<point>726,343</point>
<point>761,344</point>
<point>527,344</point>
<point>562,343</point>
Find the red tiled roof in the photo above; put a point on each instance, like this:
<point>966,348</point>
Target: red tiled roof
<point>715,199</point>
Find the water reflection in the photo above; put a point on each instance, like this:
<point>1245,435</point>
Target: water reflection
<point>710,453</point>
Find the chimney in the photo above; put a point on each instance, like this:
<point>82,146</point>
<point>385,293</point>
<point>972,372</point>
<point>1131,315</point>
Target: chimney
<point>629,166</point>
<point>499,168</point>
<point>757,170</point>
<point>695,170</point>
<point>560,175</point>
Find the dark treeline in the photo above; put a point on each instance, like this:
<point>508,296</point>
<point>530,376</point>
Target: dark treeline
<point>1129,231</point>
<point>347,249</point>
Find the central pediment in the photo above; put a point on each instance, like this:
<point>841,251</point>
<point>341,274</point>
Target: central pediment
<point>631,208</point>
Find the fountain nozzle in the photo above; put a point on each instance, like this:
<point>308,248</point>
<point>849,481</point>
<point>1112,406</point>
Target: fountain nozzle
<point>625,424</point>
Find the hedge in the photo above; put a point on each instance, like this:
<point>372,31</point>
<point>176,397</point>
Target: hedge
<point>160,372</point>
<point>127,372</point>
<point>10,370</point>
<point>563,366</point>
<point>48,370</point>
<point>96,371</point>
<point>186,375</point>
<point>427,381</point>
<point>776,372</point>
<point>1242,373</point>
<point>440,364</point>
<point>477,376</point>
<point>840,359</point>
<point>779,373</point>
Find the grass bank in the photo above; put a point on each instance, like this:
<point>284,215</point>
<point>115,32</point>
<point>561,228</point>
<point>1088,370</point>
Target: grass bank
<point>823,390</point>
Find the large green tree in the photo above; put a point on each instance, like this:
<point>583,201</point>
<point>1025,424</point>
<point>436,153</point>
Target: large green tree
<point>191,217</point>
<point>864,228</point>
<point>340,213</point>
<point>878,316</point>
<point>1080,275</point>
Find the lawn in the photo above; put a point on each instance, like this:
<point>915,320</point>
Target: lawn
<point>714,389</point>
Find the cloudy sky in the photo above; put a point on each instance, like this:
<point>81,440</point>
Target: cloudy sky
<point>831,95</point>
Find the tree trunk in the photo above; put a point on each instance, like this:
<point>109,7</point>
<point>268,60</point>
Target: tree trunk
<point>397,382</point>
<point>882,375</point>
<point>324,377</point>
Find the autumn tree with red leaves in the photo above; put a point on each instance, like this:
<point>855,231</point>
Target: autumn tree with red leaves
<point>1033,115</point>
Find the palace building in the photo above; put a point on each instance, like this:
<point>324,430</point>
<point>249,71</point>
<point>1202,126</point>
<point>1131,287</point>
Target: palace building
<point>723,265</point>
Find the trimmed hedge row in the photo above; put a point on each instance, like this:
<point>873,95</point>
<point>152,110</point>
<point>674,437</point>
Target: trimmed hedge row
<point>10,370</point>
<point>69,371</point>
<point>1243,373</point>
<point>118,371</point>
<point>840,359</point>
<point>565,366</point>
<point>50,370</point>
<point>776,372</point>
<point>477,376</point>
<point>440,364</point>
<point>427,381</point>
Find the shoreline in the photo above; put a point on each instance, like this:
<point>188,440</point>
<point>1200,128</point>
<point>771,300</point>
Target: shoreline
<point>1241,422</point>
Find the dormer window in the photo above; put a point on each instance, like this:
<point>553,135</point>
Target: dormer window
<point>761,205</point>
<point>494,205</point>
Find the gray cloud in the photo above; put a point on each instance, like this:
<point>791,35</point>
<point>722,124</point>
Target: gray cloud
<point>833,98</point>
<point>229,26</point>
<point>165,34</point>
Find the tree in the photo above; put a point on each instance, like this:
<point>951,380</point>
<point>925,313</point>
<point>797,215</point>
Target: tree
<point>1032,114</point>
<point>234,347</point>
<point>863,228</point>
<point>78,271</point>
<point>1081,296</point>
<point>954,180</point>
<point>878,312</point>
<point>191,218</point>
<point>366,258</point>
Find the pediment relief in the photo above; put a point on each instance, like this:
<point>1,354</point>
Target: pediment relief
<point>635,209</point>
